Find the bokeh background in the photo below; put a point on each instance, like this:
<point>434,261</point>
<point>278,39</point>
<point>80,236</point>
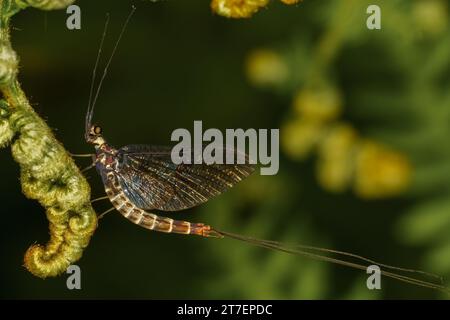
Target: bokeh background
<point>365,158</point>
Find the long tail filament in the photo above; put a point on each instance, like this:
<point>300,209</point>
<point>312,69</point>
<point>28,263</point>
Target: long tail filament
<point>321,255</point>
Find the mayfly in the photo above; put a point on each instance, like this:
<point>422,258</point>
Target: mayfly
<point>139,179</point>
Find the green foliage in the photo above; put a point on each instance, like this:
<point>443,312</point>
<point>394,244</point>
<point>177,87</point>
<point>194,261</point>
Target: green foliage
<point>396,90</point>
<point>48,173</point>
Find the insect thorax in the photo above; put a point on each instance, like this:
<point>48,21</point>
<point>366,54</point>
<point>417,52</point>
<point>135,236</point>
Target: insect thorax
<point>107,156</point>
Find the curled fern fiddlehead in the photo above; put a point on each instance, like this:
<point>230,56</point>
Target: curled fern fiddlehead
<point>44,4</point>
<point>48,173</point>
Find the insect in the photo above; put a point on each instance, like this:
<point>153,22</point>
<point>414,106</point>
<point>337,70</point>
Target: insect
<point>139,179</point>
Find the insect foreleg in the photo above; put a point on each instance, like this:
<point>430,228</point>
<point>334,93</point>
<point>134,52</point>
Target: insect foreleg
<point>99,199</point>
<point>82,155</point>
<point>88,168</point>
<point>104,213</point>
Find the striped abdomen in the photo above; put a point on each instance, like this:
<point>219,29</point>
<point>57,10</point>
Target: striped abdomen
<point>149,220</point>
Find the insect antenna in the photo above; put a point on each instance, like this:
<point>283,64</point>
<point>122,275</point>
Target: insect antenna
<point>90,109</point>
<point>320,254</point>
<point>105,70</point>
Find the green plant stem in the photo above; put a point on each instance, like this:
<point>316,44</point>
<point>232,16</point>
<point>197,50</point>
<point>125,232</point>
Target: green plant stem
<point>48,173</point>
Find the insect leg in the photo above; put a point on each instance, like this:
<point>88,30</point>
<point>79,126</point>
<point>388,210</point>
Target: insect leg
<point>99,199</point>
<point>83,155</point>
<point>107,211</point>
<point>88,168</point>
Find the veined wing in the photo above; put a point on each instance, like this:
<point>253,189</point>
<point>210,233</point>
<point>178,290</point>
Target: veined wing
<point>152,181</point>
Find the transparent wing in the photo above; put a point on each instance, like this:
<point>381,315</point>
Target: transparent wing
<point>152,181</point>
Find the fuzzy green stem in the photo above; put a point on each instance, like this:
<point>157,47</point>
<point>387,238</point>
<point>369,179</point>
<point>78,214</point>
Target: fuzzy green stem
<point>48,174</point>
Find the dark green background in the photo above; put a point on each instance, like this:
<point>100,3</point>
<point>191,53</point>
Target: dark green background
<point>178,63</point>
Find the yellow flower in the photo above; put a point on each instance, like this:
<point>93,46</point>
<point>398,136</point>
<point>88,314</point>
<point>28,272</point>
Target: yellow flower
<point>237,8</point>
<point>380,172</point>
<point>299,137</point>
<point>321,104</point>
<point>265,68</point>
<point>336,158</point>
<point>289,2</point>
<point>431,15</point>
<point>241,8</point>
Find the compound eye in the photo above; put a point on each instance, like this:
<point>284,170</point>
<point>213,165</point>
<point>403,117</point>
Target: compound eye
<point>97,130</point>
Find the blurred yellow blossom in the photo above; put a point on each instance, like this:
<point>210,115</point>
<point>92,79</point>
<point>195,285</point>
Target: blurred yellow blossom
<point>241,8</point>
<point>336,158</point>
<point>431,16</point>
<point>298,137</point>
<point>290,1</point>
<point>321,104</point>
<point>380,172</point>
<point>237,8</point>
<point>344,158</point>
<point>265,67</point>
